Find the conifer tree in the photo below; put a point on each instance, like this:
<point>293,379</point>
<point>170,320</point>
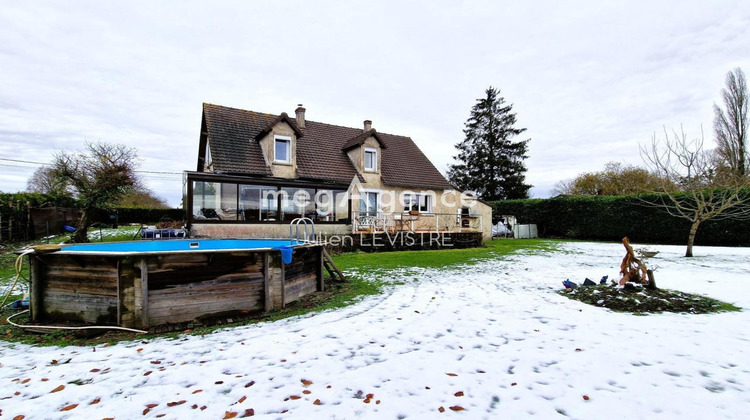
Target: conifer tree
<point>489,161</point>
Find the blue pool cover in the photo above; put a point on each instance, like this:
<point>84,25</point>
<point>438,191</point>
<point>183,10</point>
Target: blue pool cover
<point>286,247</point>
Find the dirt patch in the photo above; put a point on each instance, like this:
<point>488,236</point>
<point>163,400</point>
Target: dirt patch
<point>639,300</point>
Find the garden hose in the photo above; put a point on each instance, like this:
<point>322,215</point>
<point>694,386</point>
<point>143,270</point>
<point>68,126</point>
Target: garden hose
<point>52,327</point>
<point>18,267</point>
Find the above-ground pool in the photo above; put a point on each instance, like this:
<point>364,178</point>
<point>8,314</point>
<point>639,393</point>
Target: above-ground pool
<point>151,283</point>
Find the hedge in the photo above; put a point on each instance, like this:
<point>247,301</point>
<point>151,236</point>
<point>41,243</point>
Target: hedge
<point>612,218</point>
<point>148,216</point>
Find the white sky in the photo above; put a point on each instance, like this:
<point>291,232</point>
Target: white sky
<point>588,80</point>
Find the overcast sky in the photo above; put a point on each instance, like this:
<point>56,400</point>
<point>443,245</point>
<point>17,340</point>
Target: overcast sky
<point>589,80</point>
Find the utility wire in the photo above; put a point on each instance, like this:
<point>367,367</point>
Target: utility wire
<point>47,164</point>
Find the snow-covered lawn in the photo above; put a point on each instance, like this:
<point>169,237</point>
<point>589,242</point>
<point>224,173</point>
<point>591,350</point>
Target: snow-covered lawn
<point>494,339</point>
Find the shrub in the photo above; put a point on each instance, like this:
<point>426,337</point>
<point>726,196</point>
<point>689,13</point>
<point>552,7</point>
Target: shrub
<point>609,218</point>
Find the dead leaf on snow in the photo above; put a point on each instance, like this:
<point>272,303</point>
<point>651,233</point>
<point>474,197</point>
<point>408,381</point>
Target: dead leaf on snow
<point>241,400</point>
<point>69,407</point>
<point>248,413</point>
<point>441,409</point>
<point>450,374</point>
<point>457,408</point>
<point>95,401</point>
<point>459,394</point>
<point>174,403</point>
<point>305,382</point>
<point>294,397</point>
<point>316,402</point>
<point>197,391</point>
<point>58,389</point>
<point>230,414</point>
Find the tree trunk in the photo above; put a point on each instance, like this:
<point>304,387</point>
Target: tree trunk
<point>82,227</point>
<point>691,238</point>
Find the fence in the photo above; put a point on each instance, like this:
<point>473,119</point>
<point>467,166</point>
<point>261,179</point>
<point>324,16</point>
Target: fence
<point>415,222</point>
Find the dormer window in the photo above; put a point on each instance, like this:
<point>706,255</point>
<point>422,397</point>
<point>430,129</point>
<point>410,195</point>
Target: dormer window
<point>282,149</point>
<point>371,159</point>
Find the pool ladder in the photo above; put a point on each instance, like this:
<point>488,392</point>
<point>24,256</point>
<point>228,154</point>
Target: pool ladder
<point>294,233</point>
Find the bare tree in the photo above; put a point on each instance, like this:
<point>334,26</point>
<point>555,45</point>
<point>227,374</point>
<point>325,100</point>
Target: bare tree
<point>730,124</point>
<point>99,177</point>
<point>690,188</point>
<point>45,181</point>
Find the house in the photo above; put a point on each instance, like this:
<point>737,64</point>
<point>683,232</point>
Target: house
<point>256,172</point>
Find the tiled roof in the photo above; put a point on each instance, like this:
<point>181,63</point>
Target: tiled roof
<point>320,155</point>
<point>283,117</point>
<point>359,139</point>
<point>231,134</point>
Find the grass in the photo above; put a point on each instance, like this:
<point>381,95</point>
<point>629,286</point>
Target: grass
<point>365,272</point>
<point>641,301</point>
<point>383,261</point>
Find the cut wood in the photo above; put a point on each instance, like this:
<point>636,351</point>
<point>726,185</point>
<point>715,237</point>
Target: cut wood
<point>631,268</point>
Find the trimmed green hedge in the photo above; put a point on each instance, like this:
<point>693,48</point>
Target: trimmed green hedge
<point>611,218</point>
<point>148,216</point>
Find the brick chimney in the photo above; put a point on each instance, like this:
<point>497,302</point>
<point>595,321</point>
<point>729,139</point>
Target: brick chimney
<point>300,112</point>
<point>368,125</point>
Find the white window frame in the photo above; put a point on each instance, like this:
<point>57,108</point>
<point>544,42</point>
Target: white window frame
<point>416,198</point>
<point>378,197</point>
<point>374,151</point>
<point>288,141</point>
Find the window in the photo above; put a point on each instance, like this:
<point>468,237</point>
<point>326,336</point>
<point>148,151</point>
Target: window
<point>368,204</point>
<point>418,202</point>
<point>207,161</point>
<point>205,200</point>
<point>282,149</point>
<point>258,203</point>
<point>297,202</point>
<point>215,201</point>
<point>371,159</point>
<point>248,203</point>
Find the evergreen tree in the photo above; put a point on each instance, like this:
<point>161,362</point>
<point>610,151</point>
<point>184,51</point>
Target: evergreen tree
<point>489,162</point>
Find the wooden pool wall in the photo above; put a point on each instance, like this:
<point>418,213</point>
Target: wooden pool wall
<point>146,290</point>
